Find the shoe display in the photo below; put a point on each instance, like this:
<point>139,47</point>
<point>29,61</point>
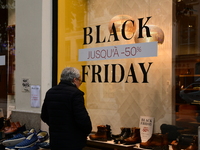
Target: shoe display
<point>134,137</point>
<point>125,133</point>
<point>13,141</point>
<point>157,142</point>
<point>101,134</point>
<point>28,142</point>
<point>31,140</point>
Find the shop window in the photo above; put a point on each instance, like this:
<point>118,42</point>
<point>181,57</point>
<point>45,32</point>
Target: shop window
<point>116,90</point>
<point>187,68</point>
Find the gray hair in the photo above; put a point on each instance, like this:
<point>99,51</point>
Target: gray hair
<point>69,73</point>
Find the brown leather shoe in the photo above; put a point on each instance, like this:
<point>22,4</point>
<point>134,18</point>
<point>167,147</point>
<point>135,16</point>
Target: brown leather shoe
<point>157,142</point>
<point>100,135</point>
<point>134,138</point>
<point>13,128</point>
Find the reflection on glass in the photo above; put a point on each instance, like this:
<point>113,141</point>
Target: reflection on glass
<point>156,35</point>
<point>187,54</point>
<point>119,20</point>
<point>191,94</point>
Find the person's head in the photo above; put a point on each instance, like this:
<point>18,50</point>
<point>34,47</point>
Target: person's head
<point>72,75</point>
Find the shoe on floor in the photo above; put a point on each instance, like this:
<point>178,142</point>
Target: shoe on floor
<point>13,128</point>
<point>13,141</point>
<point>28,142</point>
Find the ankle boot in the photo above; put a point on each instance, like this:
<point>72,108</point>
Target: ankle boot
<point>134,138</point>
<point>100,135</point>
<point>156,142</point>
<point>126,132</point>
<point>108,132</point>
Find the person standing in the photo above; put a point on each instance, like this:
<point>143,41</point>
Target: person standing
<point>64,112</point>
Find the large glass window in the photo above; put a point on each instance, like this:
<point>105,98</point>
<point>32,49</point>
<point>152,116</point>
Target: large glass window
<point>187,64</point>
<point>121,81</point>
<point>137,58</point>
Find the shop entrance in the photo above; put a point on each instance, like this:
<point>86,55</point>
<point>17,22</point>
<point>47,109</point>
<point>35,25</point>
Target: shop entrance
<point>3,86</point>
<point>3,56</point>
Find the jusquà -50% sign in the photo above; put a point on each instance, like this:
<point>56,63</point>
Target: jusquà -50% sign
<point>119,52</point>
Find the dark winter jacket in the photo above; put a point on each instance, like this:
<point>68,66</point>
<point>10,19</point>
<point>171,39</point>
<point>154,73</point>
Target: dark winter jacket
<point>64,112</point>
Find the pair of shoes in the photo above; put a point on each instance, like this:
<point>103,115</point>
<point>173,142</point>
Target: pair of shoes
<point>134,137</point>
<point>101,134</point>
<point>157,142</point>
<point>15,139</point>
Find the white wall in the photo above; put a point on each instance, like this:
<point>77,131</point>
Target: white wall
<point>33,49</point>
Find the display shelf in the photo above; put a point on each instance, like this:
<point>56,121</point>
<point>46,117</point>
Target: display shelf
<point>110,145</point>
